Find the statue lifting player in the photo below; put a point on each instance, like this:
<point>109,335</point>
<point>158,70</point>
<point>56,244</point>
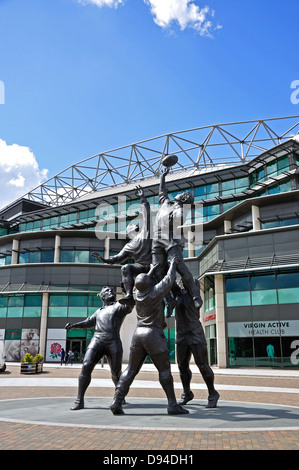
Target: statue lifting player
<point>153,282</point>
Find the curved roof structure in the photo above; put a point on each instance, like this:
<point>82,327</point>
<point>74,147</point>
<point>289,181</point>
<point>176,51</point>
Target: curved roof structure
<point>203,148</point>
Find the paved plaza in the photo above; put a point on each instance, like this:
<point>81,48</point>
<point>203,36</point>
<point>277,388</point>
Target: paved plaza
<point>257,410</point>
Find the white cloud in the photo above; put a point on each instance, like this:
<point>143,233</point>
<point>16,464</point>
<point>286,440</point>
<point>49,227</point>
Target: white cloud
<point>183,12</point>
<point>19,172</point>
<point>166,13</point>
<point>103,3</point>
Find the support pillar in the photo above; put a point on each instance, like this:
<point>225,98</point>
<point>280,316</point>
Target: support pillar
<point>57,249</point>
<point>255,210</point>
<point>220,321</point>
<point>106,247</point>
<point>15,251</point>
<point>227,226</point>
<point>190,244</point>
<point>43,324</point>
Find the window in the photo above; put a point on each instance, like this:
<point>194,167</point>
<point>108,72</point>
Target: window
<point>266,289</point>
<point>209,212</point>
<point>46,256</point>
<point>234,186</point>
<point>257,176</point>
<point>78,256</point>
<point>68,219</point>
<point>237,284</point>
<point>237,291</point>
<point>15,306</point>
<point>58,305</point>
<point>288,287</point>
<point>32,305</point>
<point>74,305</point>
<point>206,191</point>
<point>87,215</point>
<point>209,294</point>
<point>277,167</point>
<point>78,305</point>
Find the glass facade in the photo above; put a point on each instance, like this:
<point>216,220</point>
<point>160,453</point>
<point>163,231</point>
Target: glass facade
<point>258,335</point>
<point>262,289</point>
<point>74,305</point>
<point>18,306</point>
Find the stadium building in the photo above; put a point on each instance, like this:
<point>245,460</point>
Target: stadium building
<point>242,243</point>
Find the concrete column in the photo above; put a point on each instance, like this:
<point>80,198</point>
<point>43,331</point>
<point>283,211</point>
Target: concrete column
<point>107,247</point>
<point>255,210</point>
<point>190,244</point>
<point>220,321</point>
<point>57,249</point>
<point>227,226</point>
<point>43,324</point>
<point>15,251</point>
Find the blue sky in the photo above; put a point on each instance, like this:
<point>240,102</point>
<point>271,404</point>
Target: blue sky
<point>85,76</point>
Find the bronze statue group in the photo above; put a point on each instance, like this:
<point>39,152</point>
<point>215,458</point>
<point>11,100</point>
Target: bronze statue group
<point>149,283</point>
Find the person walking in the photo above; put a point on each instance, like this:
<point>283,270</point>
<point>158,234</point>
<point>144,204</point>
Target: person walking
<point>62,356</point>
<point>70,358</point>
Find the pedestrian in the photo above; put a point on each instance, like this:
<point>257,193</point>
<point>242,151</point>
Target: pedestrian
<point>70,358</point>
<point>62,356</point>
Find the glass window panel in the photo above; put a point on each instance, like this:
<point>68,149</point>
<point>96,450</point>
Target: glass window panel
<point>284,223</point>
<point>92,259</point>
<point>56,300</point>
<point>288,296</point>
<point>274,223</point>
<point>237,284</point>
<point>3,311</point>
<point>237,299</point>
<point>8,259</point>
<point>32,311</point>
<point>264,297</point>
<point>212,189</point>
<point>77,300</point>
<point>14,312</point>
<point>3,301</point>
<point>284,187</point>
<point>77,312</point>
<point>2,261</point>
<point>34,257</point>
<point>241,183</point>
<point>240,352</point>
<point>64,219</point>
<point>36,225</point>
<point>274,189</point>
<point>94,300</point>
<point>288,280</point>
<point>16,301</point>
<point>283,164</point>
<point>200,191</point>
<point>271,169</point>
<point>67,256</point>
<point>229,205</point>
<point>228,185</point>
<point>260,173</point>
<point>213,210</point>
<point>263,282</point>
<point>81,256</point>
<point>33,300</point>
<point>47,256</point>
<point>57,311</point>
<point>23,258</point>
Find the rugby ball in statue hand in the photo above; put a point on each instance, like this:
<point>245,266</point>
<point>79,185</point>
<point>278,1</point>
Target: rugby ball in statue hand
<point>169,160</point>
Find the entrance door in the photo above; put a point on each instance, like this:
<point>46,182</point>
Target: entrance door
<point>78,347</point>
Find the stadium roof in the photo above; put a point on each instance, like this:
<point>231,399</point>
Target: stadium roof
<point>199,150</point>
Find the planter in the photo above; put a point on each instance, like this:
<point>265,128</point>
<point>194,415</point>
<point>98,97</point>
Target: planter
<point>31,367</point>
